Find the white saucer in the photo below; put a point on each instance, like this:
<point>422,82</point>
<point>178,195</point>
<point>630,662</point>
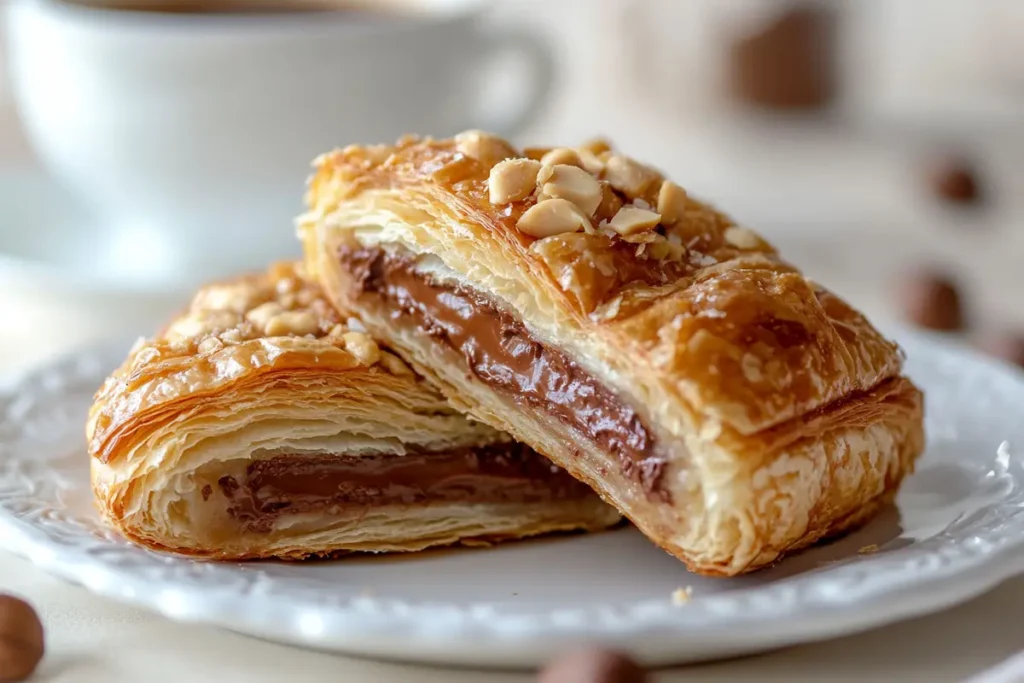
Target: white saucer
<point>958,529</point>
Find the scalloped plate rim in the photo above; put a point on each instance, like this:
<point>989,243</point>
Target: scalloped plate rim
<point>902,596</point>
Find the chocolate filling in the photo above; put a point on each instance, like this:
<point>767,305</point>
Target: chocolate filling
<point>294,484</point>
<point>501,352</point>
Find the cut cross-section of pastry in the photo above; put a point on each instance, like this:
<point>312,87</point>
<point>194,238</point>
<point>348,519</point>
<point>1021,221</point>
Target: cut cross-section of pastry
<point>260,424</point>
<point>731,408</point>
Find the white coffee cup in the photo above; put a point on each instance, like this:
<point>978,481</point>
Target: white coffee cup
<point>192,134</point>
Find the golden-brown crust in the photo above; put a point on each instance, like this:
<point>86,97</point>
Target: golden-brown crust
<point>734,359</point>
<point>729,325</point>
<point>233,331</point>
<point>263,365</point>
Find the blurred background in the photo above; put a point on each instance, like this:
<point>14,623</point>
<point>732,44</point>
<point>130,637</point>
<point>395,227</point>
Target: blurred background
<point>146,145</point>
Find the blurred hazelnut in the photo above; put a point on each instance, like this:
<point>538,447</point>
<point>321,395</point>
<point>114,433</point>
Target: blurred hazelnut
<point>592,665</point>
<point>788,62</point>
<point>1005,346</point>
<point>932,300</point>
<point>21,639</point>
<point>955,181</point>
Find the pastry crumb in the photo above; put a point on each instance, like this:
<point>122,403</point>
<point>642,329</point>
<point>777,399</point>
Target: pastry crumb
<point>868,549</point>
<point>681,596</point>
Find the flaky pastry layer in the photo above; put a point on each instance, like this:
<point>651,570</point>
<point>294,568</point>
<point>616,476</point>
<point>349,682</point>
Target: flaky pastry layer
<point>733,409</point>
<point>216,439</point>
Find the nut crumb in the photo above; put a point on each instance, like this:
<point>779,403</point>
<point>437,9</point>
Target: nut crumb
<point>869,549</point>
<point>628,176</point>
<point>553,217</point>
<point>483,147</point>
<point>682,596</point>
<point>362,347</point>
<point>671,202</point>
<point>630,220</point>
<point>571,183</point>
<point>512,180</point>
<point>743,238</point>
<point>562,155</point>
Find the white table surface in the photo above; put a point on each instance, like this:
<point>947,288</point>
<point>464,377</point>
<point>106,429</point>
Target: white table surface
<point>90,639</point>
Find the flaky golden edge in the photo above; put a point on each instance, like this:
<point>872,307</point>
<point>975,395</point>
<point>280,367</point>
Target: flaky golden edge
<point>250,332</point>
<point>732,337</point>
<point>528,520</point>
<point>851,456</point>
<point>233,331</point>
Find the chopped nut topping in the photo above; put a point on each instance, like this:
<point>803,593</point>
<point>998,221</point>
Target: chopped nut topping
<point>535,153</point>
<point>631,220</point>
<point>590,162</point>
<point>596,146</point>
<point>743,238</point>
<point>234,297</point>
<point>553,217</point>
<point>671,202</point>
<point>261,315</point>
<point>682,596</point>
<point>628,176</point>
<point>362,346</point>
<point>562,155</point>
<point>486,148</point>
<point>610,203</point>
<point>751,366</point>
<point>296,323</point>
<point>513,180</point>
<point>572,183</point>
<point>395,365</point>
<point>210,344</point>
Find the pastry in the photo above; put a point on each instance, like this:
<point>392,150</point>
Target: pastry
<point>259,424</point>
<point>575,298</point>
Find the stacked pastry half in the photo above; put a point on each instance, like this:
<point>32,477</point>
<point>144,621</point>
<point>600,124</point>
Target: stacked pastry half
<point>521,329</point>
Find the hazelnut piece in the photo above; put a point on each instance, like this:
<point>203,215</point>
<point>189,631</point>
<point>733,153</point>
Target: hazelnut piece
<point>297,323</point>
<point>512,180</point>
<point>592,665</point>
<point>21,639</point>
<point>671,203</point>
<point>572,183</point>
<point>553,217</point>
<point>261,315</point>
<point>932,300</point>
<point>956,181</point>
<point>742,238</point>
<point>362,346</point>
<point>562,155</point>
<point>486,148</point>
<point>628,176</point>
<point>630,220</point>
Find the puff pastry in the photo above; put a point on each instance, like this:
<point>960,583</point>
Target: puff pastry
<point>670,359</point>
<point>259,424</point>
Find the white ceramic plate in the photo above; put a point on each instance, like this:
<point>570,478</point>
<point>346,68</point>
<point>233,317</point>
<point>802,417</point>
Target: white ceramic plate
<point>957,530</point>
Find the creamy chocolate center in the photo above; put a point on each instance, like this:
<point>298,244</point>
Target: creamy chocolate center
<point>293,484</point>
<point>502,353</point>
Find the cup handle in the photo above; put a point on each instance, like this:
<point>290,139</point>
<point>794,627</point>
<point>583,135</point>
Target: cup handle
<point>523,103</point>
